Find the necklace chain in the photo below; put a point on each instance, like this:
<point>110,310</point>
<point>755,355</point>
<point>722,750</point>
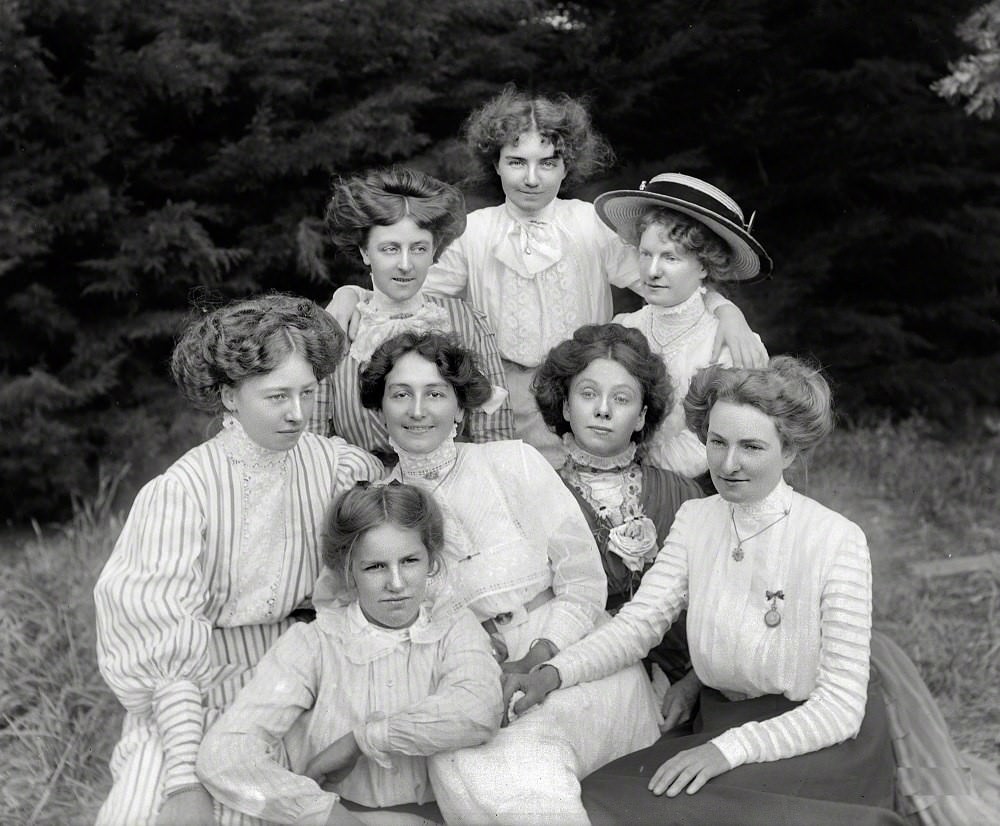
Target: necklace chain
<point>737,553</point>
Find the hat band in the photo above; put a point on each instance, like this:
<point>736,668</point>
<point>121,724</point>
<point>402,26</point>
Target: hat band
<point>695,198</point>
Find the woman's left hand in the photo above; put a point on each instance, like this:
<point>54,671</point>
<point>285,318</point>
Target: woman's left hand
<point>734,332</point>
<point>336,761</point>
<point>690,769</point>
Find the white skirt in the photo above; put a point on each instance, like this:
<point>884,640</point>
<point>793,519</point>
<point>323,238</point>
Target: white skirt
<point>530,772</point>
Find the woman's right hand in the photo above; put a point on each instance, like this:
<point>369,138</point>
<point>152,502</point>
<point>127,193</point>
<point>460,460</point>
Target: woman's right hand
<point>192,807</point>
<point>336,761</point>
<point>536,687</point>
<point>343,308</point>
<point>679,701</point>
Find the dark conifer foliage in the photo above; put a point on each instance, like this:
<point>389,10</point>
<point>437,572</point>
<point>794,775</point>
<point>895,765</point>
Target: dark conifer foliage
<point>158,151</point>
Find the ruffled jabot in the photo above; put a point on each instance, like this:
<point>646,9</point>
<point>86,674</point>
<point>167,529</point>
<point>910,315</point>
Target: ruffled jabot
<point>381,319</point>
<point>532,243</point>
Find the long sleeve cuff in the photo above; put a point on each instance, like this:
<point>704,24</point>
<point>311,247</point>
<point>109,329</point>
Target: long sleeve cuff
<point>373,739</point>
<point>177,709</point>
<point>732,748</point>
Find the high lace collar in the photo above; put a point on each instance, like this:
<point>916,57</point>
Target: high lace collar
<point>779,500</point>
<point>244,449</point>
<point>382,303</point>
<point>431,466</point>
<point>687,311</point>
<point>586,460</point>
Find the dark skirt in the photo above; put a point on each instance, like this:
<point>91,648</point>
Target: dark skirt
<point>850,784</point>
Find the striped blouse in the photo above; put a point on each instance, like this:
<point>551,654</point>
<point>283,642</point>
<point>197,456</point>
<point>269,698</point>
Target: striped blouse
<point>819,653</point>
<point>338,410</point>
<point>215,554</point>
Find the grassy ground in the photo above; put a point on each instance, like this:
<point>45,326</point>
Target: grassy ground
<point>916,498</point>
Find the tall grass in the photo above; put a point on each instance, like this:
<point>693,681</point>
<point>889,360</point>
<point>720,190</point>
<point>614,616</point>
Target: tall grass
<point>916,496</point>
<point>58,720</point>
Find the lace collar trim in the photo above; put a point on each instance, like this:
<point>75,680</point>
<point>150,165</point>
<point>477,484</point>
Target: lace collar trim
<point>243,449</point>
<point>777,501</point>
<point>585,460</point>
<point>433,465</point>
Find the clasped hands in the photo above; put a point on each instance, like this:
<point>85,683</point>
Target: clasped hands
<point>687,770</point>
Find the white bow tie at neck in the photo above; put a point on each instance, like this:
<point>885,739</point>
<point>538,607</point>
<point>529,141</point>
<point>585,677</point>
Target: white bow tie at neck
<point>537,245</point>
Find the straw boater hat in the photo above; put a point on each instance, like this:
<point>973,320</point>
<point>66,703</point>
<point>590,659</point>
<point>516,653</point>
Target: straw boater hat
<point>707,204</point>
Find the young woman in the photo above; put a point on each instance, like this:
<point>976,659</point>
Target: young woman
<point>538,266</point>
<point>343,712</point>
<point>218,551</point>
<point>689,235</point>
<point>778,593</point>
<point>605,393</point>
<point>521,557</point>
<point>400,221</point>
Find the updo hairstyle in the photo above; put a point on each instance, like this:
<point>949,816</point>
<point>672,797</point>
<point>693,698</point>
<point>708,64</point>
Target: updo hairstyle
<point>456,364</point>
<point>793,393</point>
<point>622,344</point>
<point>712,252</point>
<point>561,120</point>
<point>366,506</point>
<point>383,197</point>
<point>250,338</point>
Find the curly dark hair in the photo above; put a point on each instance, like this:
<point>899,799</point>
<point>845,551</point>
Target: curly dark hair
<point>249,338</point>
<point>792,392</point>
<point>562,120</point>
<point>622,344</point>
<point>383,197</point>
<point>366,506</point>
<point>456,364</point>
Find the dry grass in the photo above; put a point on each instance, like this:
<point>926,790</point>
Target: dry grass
<point>916,497</point>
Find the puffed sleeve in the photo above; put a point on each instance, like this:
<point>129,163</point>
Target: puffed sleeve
<point>449,275</point>
<point>240,761</point>
<point>354,464</point>
<point>152,632</point>
<point>641,622</point>
<point>620,260</point>
<point>836,706</point>
<point>464,708</point>
<point>578,579</point>
<point>319,421</point>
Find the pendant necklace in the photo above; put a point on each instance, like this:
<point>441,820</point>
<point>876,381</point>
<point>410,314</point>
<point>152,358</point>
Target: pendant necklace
<point>772,618</point>
<point>737,552</point>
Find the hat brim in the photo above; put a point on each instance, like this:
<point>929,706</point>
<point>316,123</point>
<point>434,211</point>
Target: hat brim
<point>620,209</point>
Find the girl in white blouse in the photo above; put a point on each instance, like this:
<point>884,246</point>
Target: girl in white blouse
<point>778,592</point>
<point>343,711</point>
<point>219,550</point>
